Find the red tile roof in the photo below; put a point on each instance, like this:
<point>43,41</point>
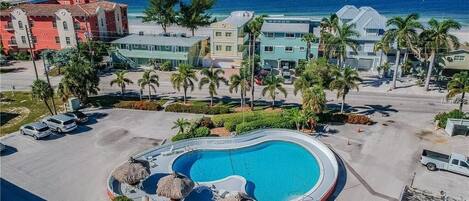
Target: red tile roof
<point>75,10</point>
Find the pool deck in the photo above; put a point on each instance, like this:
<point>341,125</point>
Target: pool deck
<point>162,157</point>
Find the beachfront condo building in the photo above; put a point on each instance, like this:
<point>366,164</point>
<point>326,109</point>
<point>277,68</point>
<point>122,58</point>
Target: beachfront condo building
<point>456,60</point>
<point>282,44</point>
<point>178,49</point>
<point>371,26</point>
<point>60,24</point>
<point>228,39</point>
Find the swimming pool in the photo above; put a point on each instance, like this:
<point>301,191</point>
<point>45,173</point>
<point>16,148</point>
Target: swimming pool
<point>275,170</point>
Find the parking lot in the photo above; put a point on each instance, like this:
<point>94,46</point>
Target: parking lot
<point>75,166</point>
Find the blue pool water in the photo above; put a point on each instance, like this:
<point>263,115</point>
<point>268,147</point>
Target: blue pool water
<point>275,170</point>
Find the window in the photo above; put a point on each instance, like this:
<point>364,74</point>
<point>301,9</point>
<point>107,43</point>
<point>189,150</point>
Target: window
<point>290,35</point>
<point>269,34</point>
<point>455,162</point>
<point>228,48</point>
<point>65,25</point>
<point>302,49</point>
<point>217,33</point>
<point>23,39</point>
<point>54,24</point>
<point>67,40</point>
<point>77,26</point>
<point>182,49</point>
<point>288,49</point>
<point>34,39</point>
<point>268,48</point>
<point>57,39</point>
<point>20,24</point>
<point>228,34</point>
<point>458,58</point>
<point>218,47</point>
<point>102,22</point>
<point>31,23</point>
<point>279,35</point>
<point>463,164</point>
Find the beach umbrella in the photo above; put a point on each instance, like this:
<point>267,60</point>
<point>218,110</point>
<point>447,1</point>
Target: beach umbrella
<point>236,196</point>
<point>174,186</point>
<point>132,171</point>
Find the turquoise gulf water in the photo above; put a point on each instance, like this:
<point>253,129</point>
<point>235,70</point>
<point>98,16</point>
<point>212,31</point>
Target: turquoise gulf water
<point>275,170</point>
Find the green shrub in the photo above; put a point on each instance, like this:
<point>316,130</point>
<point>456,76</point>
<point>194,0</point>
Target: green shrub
<point>121,198</point>
<point>197,109</point>
<point>22,56</point>
<point>201,132</point>
<point>56,71</point>
<point>443,117</point>
<point>198,132</point>
<point>166,66</point>
<point>229,121</point>
<point>139,105</point>
<point>270,122</point>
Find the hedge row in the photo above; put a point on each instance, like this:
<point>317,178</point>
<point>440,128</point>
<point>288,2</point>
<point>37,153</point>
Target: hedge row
<point>443,117</point>
<point>269,122</point>
<point>197,109</point>
<point>139,105</point>
<point>198,132</point>
<point>230,121</point>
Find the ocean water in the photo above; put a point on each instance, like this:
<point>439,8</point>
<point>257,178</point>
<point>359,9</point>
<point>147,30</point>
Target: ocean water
<point>274,170</point>
<point>456,9</point>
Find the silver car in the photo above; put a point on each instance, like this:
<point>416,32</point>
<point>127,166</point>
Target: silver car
<point>60,123</point>
<point>36,130</point>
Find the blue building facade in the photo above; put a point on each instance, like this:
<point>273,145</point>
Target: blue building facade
<point>281,42</point>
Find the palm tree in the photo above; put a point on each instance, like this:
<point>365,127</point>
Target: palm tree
<point>459,84</point>
<point>121,80</point>
<point>383,47</point>
<point>297,117</point>
<point>403,31</point>
<point>272,84</point>
<point>329,25</point>
<point>195,15</point>
<point>307,79</point>
<point>309,38</point>
<point>212,78</point>
<point>343,38</point>
<point>150,79</point>
<point>314,98</point>
<point>161,12</point>
<point>185,77</point>
<point>181,124</point>
<point>42,90</point>
<point>439,37</point>
<point>242,82</point>
<point>254,28</point>
<point>345,80</point>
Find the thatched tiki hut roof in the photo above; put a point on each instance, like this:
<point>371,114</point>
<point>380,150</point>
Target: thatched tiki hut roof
<point>236,196</point>
<point>174,186</point>
<point>132,171</point>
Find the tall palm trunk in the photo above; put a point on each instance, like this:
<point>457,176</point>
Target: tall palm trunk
<point>252,70</point>
<point>211,100</point>
<point>308,47</point>
<point>193,32</point>
<point>242,98</point>
<point>342,104</point>
<point>462,101</point>
<point>185,94</point>
<point>149,93</point>
<point>396,67</point>
<point>430,69</point>
<point>48,107</point>
<point>273,101</point>
<point>122,89</point>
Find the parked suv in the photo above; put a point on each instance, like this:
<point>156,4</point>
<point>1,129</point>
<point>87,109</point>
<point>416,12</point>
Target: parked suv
<point>36,130</point>
<point>79,117</point>
<point>60,123</point>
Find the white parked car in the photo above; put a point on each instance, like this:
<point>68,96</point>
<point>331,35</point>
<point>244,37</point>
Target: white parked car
<point>60,123</point>
<point>37,130</point>
<point>457,163</point>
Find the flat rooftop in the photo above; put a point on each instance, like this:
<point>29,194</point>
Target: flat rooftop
<point>178,40</point>
<point>239,18</point>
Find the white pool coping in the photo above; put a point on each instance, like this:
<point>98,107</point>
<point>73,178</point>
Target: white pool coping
<point>324,156</point>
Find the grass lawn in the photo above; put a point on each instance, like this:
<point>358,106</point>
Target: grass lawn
<point>19,109</point>
<point>107,101</point>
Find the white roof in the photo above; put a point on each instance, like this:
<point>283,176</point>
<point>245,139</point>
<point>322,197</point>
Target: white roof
<point>285,27</point>
<point>369,18</point>
<point>348,12</point>
<point>239,18</point>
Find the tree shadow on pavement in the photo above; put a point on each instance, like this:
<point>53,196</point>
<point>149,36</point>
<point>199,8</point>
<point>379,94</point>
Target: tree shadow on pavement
<point>372,109</point>
<point>9,150</point>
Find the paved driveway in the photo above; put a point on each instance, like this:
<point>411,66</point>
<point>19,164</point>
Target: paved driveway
<point>76,166</point>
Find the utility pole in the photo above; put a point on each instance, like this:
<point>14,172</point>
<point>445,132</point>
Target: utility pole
<point>31,50</point>
<point>48,82</point>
